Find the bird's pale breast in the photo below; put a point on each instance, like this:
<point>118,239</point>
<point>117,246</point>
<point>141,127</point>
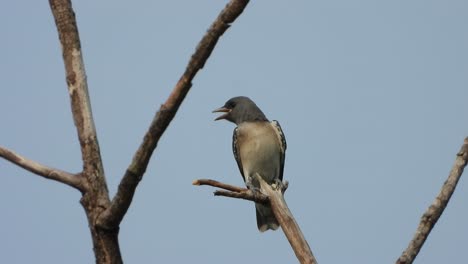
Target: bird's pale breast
<point>259,150</point>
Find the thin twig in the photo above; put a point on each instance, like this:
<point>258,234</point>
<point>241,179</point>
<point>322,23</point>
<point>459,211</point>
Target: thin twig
<point>433,213</point>
<point>218,184</point>
<point>42,170</point>
<point>246,195</point>
<point>114,214</point>
<point>233,191</point>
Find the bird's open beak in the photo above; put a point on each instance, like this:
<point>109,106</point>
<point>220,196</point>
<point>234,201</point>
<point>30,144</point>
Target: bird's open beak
<point>222,110</point>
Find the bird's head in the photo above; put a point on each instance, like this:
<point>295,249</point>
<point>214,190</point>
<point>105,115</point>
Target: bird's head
<point>240,109</point>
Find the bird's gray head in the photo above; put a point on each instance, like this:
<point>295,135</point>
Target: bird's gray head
<point>240,109</point>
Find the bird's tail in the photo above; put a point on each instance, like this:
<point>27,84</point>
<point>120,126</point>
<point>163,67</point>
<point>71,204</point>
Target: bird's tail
<point>265,218</point>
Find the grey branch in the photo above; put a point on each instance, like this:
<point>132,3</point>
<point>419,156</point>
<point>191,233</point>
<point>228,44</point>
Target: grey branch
<point>113,215</point>
<point>433,213</point>
<point>42,170</point>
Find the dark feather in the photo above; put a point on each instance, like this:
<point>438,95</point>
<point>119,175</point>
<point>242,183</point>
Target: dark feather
<point>282,140</point>
<point>235,150</point>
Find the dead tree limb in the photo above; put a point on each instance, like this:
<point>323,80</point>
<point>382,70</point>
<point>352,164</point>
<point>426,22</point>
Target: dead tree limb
<point>218,184</point>
<point>103,215</point>
<point>233,191</point>
<point>291,229</point>
<point>248,195</point>
<point>433,213</point>
<point>78,89</point>
<point>114,214</point>
<point>273,196</point>
<point>70,179</point>
<point>95,196</point>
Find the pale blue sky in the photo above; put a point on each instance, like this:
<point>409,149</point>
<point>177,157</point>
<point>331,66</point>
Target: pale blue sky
<point>372,97</point>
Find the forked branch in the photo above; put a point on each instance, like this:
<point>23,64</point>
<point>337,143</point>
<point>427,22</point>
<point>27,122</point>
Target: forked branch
<point>78,91</point>
<point>274,196</point>
<point>80,104</point>
<point>113,215</point>
<point>433,213</point>
<point>288,224</point>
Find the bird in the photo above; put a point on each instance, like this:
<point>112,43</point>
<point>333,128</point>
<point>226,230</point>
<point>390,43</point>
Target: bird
<point>259,148</point>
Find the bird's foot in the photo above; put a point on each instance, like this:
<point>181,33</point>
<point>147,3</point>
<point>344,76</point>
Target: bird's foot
<point>277,183</point>
<point>252,188</point>
<point>280,185</point>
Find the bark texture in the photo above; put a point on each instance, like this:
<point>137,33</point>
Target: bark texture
<point>291,229</point>
<point>104,216</point>
<point>433,213</point>
<point>114,214</point>
<point>95,193</point>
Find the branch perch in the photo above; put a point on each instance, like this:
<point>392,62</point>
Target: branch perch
<point>291,229</point>
<point>218,184</point>
<point>248,195</point>
<point>233,191</point>
<point>433,213</point>
<point>273,196</point>
<point>42,170</point>
<point>114,214</point>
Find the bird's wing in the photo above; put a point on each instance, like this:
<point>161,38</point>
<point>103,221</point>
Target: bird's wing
<point>282,141</point>
<point>235,150</point>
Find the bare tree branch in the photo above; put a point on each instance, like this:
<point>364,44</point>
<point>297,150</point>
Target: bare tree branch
<point>78,90</point>
<point>134,173</point>
<point>273,196</point>
<point>433,213</point>
<point>247,195</point>
<point>95,196</point>
<point>288,224</point>
<point>70,179</point>
<point>80,104</point>
<point>104,217</point>
<point>233,191</point>
<point>218,184</point>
